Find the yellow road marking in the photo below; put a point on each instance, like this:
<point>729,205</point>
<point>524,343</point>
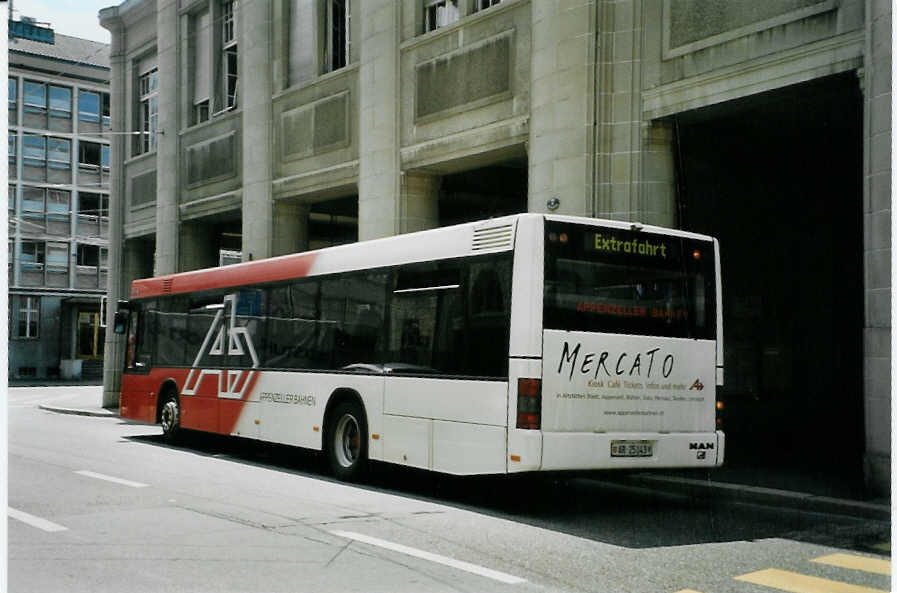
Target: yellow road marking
<point>801,583</point>
<point>876,565</point>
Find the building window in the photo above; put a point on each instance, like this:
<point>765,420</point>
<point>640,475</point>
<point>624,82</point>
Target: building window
<point>229,53</point>
<point>45,211</point>
<point>12,152</point>
<point>337,21</point>
<point>59,153</point>
<point>93,256</point>
<point>93,215</point>
<point>58,207</point>
<point>32,255</point>
<point>35,150</point>
<point>93,108</point>
<point>93,205</point>
<point>440,13</point>
<point>89,155</point>
<point>35,95</point>
<point>89,106</point>
<point>13,93</point>
<point>27,316</point>
<point>106,109</point>
<point>148,88</point>
<point>33,210</point>
<point>201,60</point>
<point>12,202</point>
<point>60,102</point>
<point>479,5</point>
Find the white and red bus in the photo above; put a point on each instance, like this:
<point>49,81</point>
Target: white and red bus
<point>525,343</point>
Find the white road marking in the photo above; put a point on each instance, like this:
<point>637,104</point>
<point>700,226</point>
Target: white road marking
<point>34,521</point>
<point>460,565</point>
<point>121,481</point>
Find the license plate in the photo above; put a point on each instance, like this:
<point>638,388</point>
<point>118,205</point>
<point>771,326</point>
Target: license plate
<point>631,449</point>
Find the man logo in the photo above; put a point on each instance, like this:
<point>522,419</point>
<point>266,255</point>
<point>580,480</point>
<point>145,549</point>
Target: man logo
<point>224,338</point>
<point>697,385</point>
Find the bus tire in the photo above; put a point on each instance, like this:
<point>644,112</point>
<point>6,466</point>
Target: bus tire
<point>346,444</point>
<point>170,418</point>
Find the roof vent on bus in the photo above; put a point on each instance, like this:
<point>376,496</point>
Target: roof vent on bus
<point>166,285</point>
<point>493,237</point>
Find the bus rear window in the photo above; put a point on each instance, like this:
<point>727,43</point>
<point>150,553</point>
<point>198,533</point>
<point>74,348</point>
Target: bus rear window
<point>610,280</point>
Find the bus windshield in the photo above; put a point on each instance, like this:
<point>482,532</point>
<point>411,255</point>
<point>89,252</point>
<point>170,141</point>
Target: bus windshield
<point>602,279</point>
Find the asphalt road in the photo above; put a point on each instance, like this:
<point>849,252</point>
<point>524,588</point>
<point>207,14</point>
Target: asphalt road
<point>99,504</point>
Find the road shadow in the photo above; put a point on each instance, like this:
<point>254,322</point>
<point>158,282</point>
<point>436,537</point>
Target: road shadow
<point>593,505</point>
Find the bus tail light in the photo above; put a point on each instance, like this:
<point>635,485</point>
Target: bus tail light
<point>529,403</point>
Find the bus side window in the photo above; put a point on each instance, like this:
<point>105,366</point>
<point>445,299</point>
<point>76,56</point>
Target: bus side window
<point>146,335</point>
<point>489,309</point>
<point>363,328</point>
<point>131,348</point>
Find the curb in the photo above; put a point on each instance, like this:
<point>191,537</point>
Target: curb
<point>100,413</point>
<point>765,496</point>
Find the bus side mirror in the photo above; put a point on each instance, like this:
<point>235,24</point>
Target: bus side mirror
<point>122,316</point>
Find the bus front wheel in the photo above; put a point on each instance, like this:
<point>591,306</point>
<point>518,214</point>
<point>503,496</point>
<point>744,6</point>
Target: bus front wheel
<point>346,444</point>
<point>170,418</point>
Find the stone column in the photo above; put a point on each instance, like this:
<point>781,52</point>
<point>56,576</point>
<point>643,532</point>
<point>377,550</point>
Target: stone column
<point>113,357</point>
<point>877,335</point>
<point>290,227</point>
<point>561,145</point>
<point>657,182</point>
<point>378,169</point>
<point>419,202</point>
<point>167,144</point>
<point>255,93</point>
<point>629,149</point>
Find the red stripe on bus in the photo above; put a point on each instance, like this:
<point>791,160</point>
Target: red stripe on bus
<point>266,270</point>
<point>204,411</point>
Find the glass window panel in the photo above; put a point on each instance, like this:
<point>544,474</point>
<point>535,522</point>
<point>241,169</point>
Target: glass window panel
<point>60,151</point>
<point>58,202</point>
<point>88,106</point>
<point>105,156</point>
<point>13,91</point>
<point>12,145</point>
<point>34,147</point>
<point>61,99</point>
<point>365,339</point>
<point>89,153</point>
<point>58,254</point>
<point>89,204</point>
<point>88,255</point>
<point>33,200</point>
<point>35,94</point>
<point>107,110</point>
<point>12,198</point>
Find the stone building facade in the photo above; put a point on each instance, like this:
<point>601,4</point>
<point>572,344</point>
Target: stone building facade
<point>275,126</point>
<point>58,211</point>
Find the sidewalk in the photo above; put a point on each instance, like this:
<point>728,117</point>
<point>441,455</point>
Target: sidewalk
<point>801,490</point>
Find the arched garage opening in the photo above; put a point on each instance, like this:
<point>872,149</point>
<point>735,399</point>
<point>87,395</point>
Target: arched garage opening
<point>777,177</point>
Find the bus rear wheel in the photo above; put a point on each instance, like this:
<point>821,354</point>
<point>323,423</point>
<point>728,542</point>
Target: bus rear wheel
<point>170,418</point>
<point>346,441</point>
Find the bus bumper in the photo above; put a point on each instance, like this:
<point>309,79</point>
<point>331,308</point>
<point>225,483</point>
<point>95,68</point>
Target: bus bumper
<point>586,450</point>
